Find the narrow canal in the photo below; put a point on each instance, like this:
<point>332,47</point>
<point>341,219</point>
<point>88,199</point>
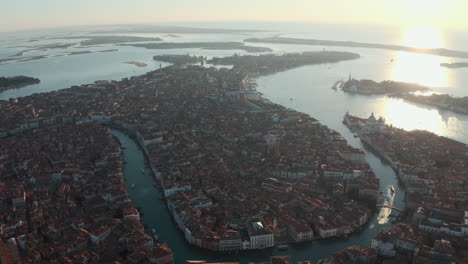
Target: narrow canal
<point>148,198</point>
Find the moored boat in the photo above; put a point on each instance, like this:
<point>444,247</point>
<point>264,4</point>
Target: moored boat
<point>283,247</point>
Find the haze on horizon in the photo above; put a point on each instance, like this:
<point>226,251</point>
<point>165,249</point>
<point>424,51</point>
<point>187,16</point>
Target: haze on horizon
<point>33,14</point>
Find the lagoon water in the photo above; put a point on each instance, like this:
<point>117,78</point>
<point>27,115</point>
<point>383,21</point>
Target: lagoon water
<point>306,89</point>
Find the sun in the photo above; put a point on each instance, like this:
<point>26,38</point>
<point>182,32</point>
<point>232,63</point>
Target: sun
<point>423,37</point>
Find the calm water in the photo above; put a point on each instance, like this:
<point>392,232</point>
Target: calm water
<point>308,87</point>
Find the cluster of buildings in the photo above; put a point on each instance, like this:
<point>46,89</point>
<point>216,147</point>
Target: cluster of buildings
<point>410,244</point>
<point>62,200</point>
<point>237,173</point>
<point>434,172</point>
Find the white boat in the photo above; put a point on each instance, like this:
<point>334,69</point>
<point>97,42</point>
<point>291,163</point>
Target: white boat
<point>283,247</point>
<point>133,186</point>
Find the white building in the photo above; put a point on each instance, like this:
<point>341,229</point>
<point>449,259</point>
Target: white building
<point>384,247</point>
<point>259,236</point>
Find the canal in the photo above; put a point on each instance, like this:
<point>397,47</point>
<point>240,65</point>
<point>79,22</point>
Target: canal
<point>155,215</point>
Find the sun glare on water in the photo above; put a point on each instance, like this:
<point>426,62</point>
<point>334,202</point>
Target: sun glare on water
<point>421,68</point>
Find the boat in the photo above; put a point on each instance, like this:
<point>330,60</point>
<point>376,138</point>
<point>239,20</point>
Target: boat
<point>283,247</point>
<point>133,186</point>
<point>392,189</point>
<point>142,170</point>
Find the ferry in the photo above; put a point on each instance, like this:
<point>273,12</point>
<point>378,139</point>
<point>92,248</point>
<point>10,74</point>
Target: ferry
<point>283,247</point>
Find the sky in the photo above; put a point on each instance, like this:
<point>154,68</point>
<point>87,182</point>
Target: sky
<point>30,14</point>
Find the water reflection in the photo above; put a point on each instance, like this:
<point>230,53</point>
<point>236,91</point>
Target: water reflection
<point>410,117</point>
<point>421,68</point>
<point>384,214</point>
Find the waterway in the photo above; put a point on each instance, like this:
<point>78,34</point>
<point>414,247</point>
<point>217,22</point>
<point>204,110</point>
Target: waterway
<point>155,214</point>
<point>306,89</point>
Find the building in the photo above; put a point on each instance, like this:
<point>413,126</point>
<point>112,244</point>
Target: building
<point>259,236</point>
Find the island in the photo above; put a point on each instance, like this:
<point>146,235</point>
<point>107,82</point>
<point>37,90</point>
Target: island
<point>138,64</point>
<point>201,45</point>
<point>455,65</point>
<point>236,171</point>
<point>369,87</point>
<point>160,29</point>
<point>91,52</point>
<point>7,83</point>
<point>91,40</point>
<point>316,42</point>
<point>270,63</point>
<point>440,101</point>
<point>45,48</point>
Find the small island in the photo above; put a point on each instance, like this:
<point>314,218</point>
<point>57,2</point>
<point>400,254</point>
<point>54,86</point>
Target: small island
<point>103,40</point>
<point>201,45</point>
<point>440,101</point>
<point>455,65</point>
<point>7,83</point>
<point>138,64</point>
<point>43,48</point>
<point>369,87</point>
<point>91,52</point>
<point>270,63</point>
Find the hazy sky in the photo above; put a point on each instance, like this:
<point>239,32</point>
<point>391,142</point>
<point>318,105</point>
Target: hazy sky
<point>26,14</point>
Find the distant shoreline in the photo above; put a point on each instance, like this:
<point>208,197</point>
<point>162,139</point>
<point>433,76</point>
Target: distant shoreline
<point>7,83</point>
<point>316,42</point>
<point>200,45</point>
<point>440,101</point>
<point>455,65</point>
